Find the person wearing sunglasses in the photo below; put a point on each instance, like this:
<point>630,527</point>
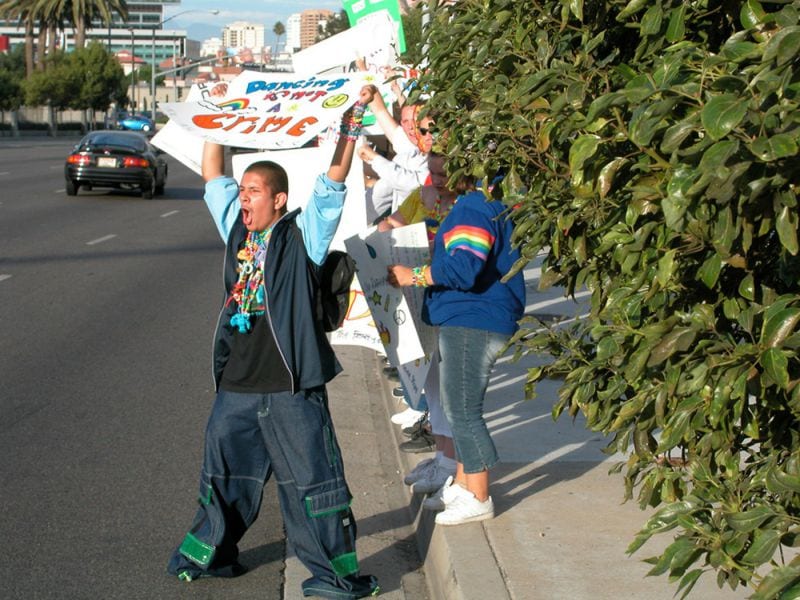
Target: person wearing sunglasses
<point>408,169</point>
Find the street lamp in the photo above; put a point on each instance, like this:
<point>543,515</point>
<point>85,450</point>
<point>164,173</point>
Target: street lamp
<point>133,75</point>
<point>153,57</point>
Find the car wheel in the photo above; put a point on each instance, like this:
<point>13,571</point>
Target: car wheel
<point>160,185</point>
<point>72,188</point>
<point>147,190</point>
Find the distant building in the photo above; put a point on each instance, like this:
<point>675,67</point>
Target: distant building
<point>211,47</point>
<point>242,34</point>
<point>310,20</point>
<point>292,34</point>
<point>143,32</point>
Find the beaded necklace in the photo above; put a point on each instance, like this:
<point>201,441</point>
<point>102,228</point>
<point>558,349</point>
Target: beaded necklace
<point>248,291</point>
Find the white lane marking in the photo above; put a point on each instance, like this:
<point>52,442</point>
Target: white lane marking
<point>56,166</point>
<point>105,238</point>
<point>5,172</point>
<point>540,305</point>
<point>61,191</point>
<point>4,277</point>
<point>170,213</point>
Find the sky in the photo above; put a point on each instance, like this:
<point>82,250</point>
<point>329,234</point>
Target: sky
<point>200,24</point>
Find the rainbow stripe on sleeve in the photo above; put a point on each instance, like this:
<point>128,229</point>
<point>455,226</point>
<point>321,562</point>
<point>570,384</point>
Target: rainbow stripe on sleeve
<point>472,239</point>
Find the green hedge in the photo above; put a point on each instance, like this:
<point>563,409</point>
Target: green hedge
<point>651,151</point>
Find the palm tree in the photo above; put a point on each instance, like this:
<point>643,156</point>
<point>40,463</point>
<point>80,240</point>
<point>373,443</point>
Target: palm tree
<point>79,13</point>
<point>278,30</point>
<point>22,11</point>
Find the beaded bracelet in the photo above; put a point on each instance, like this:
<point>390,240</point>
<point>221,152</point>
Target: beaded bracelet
<point>351,121</point>
<point>418,277</point>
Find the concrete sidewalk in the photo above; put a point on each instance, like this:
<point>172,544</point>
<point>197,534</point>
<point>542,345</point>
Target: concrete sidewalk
<point>560,530</point>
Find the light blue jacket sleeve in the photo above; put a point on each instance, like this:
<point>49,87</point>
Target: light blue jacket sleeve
<point>222,199</point>
<point>319,220</point>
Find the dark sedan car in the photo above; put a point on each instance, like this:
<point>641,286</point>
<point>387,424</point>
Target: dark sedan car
<point>118,159</point>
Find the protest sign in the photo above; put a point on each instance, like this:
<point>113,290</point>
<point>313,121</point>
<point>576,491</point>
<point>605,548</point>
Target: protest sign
<point>367,11</point>
<point>270,110</point>
<point>358,328</point>
<point>302,167</point>
<point>375,42</point>
<point>408,342</point>
<point>179,143</point>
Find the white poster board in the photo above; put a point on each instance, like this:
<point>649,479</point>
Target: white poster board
<point>397,313</point>
<point>179,143</point>
<point>302,167</point>
<point>270,110</point>
<point>375,41</point>
<point>358,328</point>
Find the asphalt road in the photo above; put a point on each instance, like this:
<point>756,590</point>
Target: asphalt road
<point>107,306</point>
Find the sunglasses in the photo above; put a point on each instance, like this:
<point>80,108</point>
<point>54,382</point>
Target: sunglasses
<point>427,130</point>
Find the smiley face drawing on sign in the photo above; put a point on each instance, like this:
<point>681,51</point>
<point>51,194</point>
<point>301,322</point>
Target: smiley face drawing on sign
<point>335,101</point>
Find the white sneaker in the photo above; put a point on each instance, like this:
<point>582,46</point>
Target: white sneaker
<point>445,495</point>
<point>466,510</point>
<point>419,471</point>
<point>434,479</point>
<point>408,417</point>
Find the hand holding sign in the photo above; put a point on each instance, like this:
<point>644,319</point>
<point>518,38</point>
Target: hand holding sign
<point>270,110</point>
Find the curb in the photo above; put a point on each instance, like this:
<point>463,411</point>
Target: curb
<point>459,562</point>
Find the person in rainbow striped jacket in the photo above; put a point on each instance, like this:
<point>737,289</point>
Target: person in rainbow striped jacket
<point>476,313</point>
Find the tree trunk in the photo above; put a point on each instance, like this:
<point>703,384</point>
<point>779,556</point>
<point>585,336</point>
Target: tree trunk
<point>51,120</point>
<point>14,117</point>
<point>28,48</point>
<point>52,39</point>
<point>80,34</point>
<point>40,47</point>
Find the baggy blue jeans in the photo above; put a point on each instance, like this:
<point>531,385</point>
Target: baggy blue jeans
<point>248,438</point>
<point>468,356</point>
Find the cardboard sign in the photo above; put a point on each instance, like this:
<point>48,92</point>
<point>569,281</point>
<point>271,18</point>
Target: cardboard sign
<point>358,328</point>
<point>270,110</point>
<point>179,143</point>
<point>360,11</point>
<point>375,41</point>
<point>302,166</point>
<point>397,313</point>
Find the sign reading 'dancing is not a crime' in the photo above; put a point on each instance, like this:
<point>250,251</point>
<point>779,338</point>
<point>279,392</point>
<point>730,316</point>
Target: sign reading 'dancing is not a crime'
<point>270,110</point>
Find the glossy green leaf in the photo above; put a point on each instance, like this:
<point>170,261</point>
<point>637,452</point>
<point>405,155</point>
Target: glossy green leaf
<point>777,580</point>
<point>749,520</point>
<point>651,20</point>
<point>722,113</point>
<point>764,546</point>
<point>781,145</point>
<point>631,8</point>
<point>778,326</point>
<point>677,340</point>
<point>786,224</point>
<point>751,14</point>
<point>677,26</point>
<point>776,366</point>
<point>709,271</point>
<point>582,149</point>
<point>747,287</point>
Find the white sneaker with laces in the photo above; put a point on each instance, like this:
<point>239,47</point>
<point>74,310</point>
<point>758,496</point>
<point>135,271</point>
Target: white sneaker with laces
<point>408,417</point>
<point>466,509</point>
<point>445,495</point>
<point>433,480</point>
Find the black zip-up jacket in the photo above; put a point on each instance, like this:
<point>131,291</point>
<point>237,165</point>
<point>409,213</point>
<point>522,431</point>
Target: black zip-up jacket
<point>290,306</point>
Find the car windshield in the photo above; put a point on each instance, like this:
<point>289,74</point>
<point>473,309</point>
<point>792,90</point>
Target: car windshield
<point>115,139</point>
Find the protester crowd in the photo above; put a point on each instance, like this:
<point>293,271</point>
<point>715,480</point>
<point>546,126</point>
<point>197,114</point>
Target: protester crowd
<point>272,358</point>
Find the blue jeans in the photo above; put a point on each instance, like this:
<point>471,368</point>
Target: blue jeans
<point>248,438</point>
<point>468,356</point>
